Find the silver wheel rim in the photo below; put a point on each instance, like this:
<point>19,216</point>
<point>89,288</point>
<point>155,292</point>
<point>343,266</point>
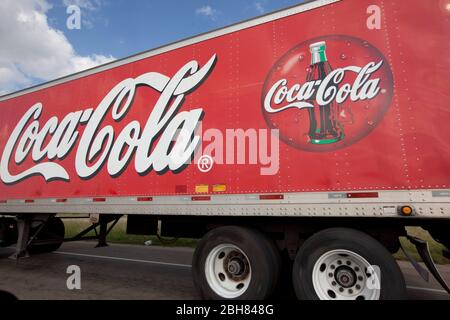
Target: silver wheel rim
<point>228,271</point>
<point>345,275</point>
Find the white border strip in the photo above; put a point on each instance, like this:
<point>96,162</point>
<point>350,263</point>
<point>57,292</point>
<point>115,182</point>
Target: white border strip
<point>292,204</point>
<point>188,41</point>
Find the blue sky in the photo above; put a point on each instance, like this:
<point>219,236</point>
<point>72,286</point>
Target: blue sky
<point>124,27</point>
<point>37,46</point>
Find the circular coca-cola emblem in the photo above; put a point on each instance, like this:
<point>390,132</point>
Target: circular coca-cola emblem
<point>327,93</point>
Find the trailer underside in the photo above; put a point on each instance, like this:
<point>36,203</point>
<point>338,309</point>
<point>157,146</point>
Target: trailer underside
<point>285,236</point>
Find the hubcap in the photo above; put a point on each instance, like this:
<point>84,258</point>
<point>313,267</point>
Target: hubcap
<point>345,275</point>
<point>236,265</point>
<point>228,271</point>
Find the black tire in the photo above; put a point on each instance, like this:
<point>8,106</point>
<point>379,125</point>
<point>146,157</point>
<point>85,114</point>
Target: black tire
<point>263,256</point>
<point>284,289</point>
<point>53,230</point>
<point>6,296</point>
<point>392,282</point>
<point>8,232</point>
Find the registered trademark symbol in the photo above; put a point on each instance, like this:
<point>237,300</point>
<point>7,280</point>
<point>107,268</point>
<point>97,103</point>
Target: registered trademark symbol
<point>205,163</point>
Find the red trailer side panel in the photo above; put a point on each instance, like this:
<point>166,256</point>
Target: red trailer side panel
<point>380,121</point>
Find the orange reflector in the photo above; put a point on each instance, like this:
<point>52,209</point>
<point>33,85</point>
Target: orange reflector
<point>406,210</point>
<point>362,195</point>
<point>201,198</point>
<point>219,188</point>
<point>271,197</point>
<point>143,199</point>
<point>201,188</point>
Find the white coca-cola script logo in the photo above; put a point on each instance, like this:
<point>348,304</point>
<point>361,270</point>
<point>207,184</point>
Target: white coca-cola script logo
<point>280,97</point>
<point>100,145</point>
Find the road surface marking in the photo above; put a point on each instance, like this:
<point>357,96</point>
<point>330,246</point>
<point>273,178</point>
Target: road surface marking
<point>123,259</point>
<point>189,266</point>
<point>426,289</point>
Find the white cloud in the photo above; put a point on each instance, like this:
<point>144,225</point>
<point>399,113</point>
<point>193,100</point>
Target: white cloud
<point>207,11</point>
<point>259,7</point>
<point>31,50</point>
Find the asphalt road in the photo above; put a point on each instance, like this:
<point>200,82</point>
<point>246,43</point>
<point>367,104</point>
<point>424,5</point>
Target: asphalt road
<point>133,272</point>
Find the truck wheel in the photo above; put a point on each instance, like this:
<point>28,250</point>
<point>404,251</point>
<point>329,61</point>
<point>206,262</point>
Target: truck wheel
<point>235,263</point>
<point>346,264</point>
<point>54,231</point>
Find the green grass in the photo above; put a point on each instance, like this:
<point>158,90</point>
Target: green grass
<point>119,235</point>
<point>435,247</point>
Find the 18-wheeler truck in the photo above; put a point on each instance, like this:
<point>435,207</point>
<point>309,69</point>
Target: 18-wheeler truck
<point>298,144</point>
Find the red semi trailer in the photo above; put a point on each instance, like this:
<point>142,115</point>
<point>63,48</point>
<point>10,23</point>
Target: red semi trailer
<point>314,134</point>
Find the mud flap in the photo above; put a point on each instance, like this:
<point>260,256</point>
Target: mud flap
<point>421,270</point>
<point>424,252</point>
<point>446,253</point>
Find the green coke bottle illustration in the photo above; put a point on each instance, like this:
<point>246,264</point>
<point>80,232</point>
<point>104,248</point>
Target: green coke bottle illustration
<point>325,127</point>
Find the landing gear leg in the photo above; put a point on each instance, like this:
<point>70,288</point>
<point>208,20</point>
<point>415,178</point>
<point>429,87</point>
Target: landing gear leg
<point>23,226</point>
<point>103,232</point>
<point>104,219</point>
